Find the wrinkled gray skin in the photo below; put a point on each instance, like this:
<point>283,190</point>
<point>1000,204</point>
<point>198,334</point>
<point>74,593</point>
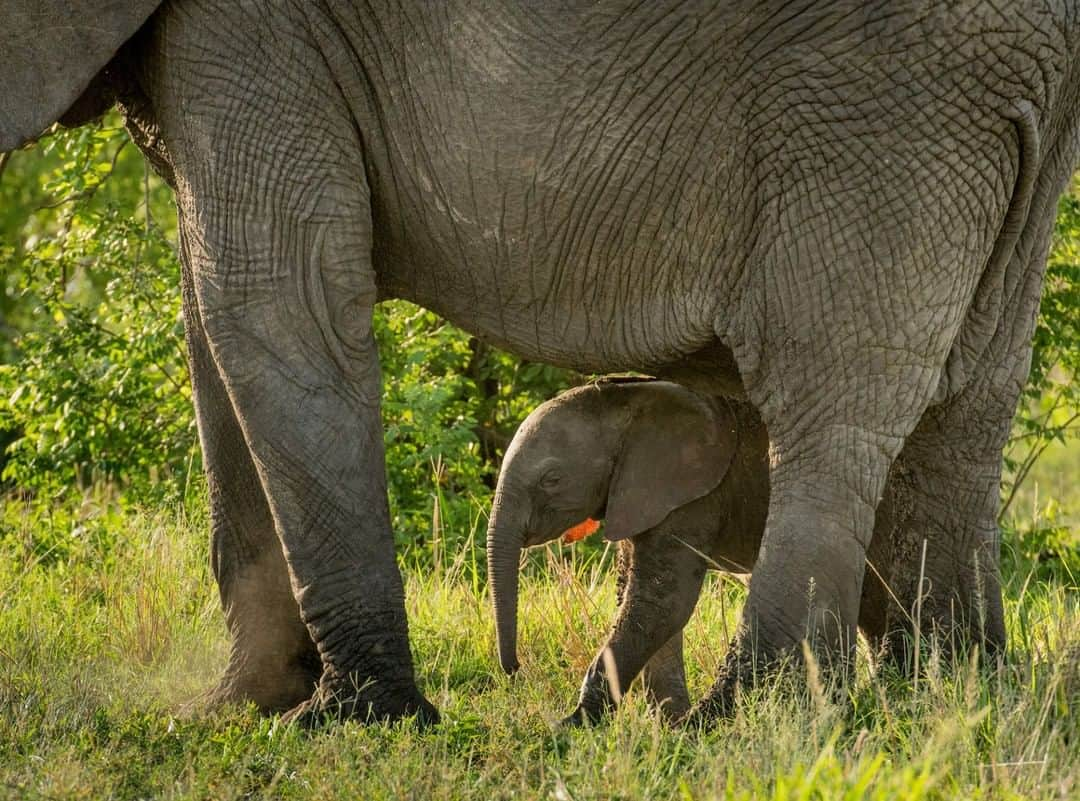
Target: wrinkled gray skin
<point>683,481</point>
<point>632,453</point>
<point>836,210</point>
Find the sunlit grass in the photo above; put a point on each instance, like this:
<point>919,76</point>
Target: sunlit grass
<point>104,652</point>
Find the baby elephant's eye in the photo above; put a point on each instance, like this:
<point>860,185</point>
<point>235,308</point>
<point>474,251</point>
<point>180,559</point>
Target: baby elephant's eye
<point>550,479</point>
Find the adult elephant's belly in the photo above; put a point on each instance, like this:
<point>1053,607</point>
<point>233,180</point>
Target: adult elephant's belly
<point>595,304</point>
<point>570,205</point>
<point>628,276</point>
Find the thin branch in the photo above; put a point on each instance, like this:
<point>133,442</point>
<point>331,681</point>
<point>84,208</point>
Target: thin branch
<point>90,191</point>
<point>1030,460</point>
<point>1041,418</point>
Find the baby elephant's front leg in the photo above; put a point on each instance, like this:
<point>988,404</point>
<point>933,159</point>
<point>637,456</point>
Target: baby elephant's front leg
<point>661,589</point>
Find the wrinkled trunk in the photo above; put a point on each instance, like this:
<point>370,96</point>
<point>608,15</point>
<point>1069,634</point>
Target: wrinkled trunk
<point>506,535</point>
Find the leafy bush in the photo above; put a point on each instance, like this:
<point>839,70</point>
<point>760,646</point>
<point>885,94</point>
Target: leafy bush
<point>450,405</point>
<point>1041,542</point>
<point>1050,406</point>
<point>99,389</point>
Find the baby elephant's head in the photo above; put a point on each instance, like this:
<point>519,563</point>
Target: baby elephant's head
<point>629,453</point>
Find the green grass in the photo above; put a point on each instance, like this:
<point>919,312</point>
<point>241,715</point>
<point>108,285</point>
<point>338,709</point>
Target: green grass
<point>110,631</point>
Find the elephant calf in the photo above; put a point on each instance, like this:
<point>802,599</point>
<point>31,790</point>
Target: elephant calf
<point>676,477</point>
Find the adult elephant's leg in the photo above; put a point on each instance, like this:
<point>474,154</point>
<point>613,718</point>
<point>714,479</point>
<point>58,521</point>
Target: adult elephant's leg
<point>853,309</point>
<point>291,337</point>
<point>278,231</point>
<point>829,459</point>
<point>944,487</point>
<point>807,581</point>
<point>272,660</point>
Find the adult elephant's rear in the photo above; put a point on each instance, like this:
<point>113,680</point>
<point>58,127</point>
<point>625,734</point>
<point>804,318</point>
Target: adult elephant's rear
<point>841,211</point>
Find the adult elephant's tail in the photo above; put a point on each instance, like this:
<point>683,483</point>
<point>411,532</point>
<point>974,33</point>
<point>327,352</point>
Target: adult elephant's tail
<point>1005,265</point>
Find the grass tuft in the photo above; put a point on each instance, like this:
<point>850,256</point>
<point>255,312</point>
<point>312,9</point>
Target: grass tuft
<point>106,642</point>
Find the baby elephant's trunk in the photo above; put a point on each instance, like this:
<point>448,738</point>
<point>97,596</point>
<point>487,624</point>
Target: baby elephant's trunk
<point>504,542</point>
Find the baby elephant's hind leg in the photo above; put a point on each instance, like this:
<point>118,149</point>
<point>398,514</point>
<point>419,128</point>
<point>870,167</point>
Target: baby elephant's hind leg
<point>664,680</point>
<point>662,585</point>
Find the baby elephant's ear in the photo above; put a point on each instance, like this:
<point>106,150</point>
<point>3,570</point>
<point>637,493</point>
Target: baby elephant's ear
<point>677,449</point>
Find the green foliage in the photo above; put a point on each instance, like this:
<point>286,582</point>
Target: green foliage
<point>99,389</point>
<point>1045,540</point>
<point>450,404</point>
<point>101,356</point>
<point>431,448</point>
<point>1044,548</point>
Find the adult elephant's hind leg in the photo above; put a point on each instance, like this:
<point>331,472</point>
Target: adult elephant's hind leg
<point>272,659</point>
<point>944,488</point>
<point>944,493</point>
<point>853,312</point>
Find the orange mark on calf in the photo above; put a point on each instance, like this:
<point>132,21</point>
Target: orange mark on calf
<point>581,530</point>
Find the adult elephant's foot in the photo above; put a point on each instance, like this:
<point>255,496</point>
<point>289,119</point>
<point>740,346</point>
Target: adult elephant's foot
<point>936,548</point>
<point>271,687</point>
<point>273,662</point>
<point>362,701</point>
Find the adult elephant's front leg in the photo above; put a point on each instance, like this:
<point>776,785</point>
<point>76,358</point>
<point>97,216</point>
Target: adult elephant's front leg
<point>278,235</point>
<point>272,660</point>
<point>829,459</point>
<point>292,338</point>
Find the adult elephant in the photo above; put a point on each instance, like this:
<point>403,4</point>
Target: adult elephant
<point>838,210</point>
